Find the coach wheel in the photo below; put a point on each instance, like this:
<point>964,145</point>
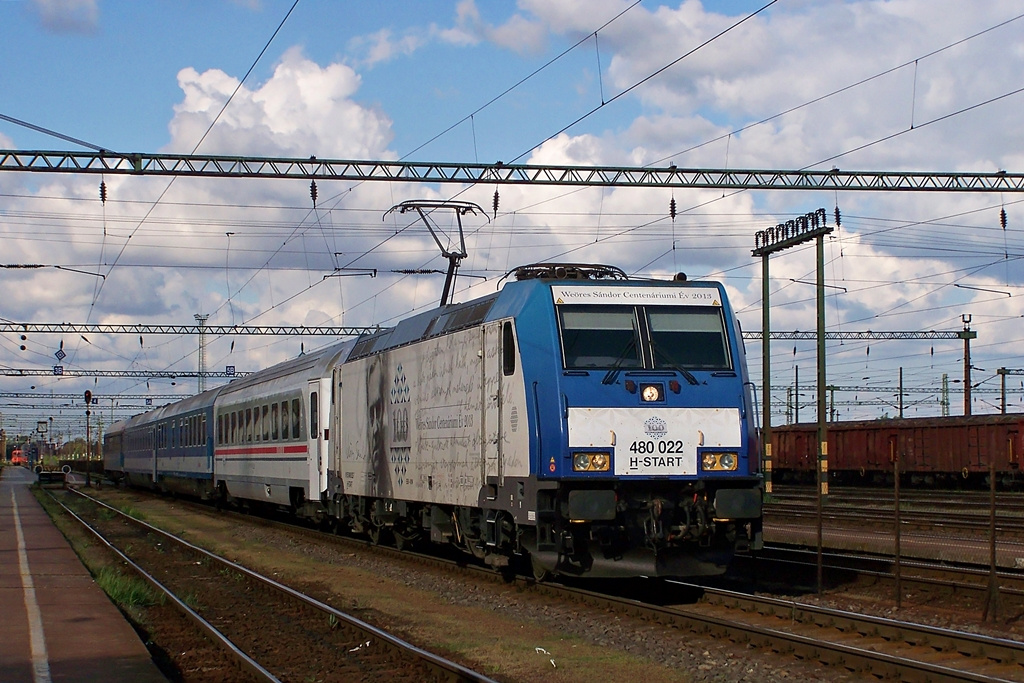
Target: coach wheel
<point>964,473</point>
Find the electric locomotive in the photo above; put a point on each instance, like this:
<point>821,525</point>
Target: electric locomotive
<point>597,425</point>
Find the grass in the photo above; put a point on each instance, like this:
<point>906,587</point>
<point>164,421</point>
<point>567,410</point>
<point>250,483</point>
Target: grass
<point>132,512</point>
<point>127,591</point>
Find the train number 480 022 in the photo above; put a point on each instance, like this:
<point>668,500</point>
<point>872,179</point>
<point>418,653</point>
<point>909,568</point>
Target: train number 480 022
<point>650,446</point>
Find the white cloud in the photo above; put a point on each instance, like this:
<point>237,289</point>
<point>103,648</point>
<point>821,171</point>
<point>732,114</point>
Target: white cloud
<point>303,109</point>
<point>383,46</point>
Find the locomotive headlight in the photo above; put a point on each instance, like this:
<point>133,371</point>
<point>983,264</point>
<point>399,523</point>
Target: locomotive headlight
<point>719,462</point>
<point>652,392</point>
<point>591,462</point>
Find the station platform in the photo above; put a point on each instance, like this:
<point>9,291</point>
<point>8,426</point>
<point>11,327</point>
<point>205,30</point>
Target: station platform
<point>56,624</point>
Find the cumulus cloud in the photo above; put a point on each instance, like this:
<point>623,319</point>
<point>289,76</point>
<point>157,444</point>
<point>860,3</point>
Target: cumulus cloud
<point>303,109</point>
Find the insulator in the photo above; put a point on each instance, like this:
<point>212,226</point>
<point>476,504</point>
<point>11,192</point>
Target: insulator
<point>1002,218</point>
<point>496,200</point>
<point>103,192</point>
<point>312,191</point>
<point>672,208</point>
<point>838,217</point>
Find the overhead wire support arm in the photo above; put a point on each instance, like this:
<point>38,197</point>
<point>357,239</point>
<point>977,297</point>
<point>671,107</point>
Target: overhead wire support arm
<point>213,166</point>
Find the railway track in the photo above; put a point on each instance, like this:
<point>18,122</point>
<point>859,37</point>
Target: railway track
<point>251,616</point>
<point>968,586</point>
<point>921,519</point>
<point>1008,504</point>
<point>860,644</point>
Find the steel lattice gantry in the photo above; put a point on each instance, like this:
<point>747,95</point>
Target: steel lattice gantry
<point>257,330</point>
<point>213,166</point>
<point>328,331</point>
<point>137,374</point>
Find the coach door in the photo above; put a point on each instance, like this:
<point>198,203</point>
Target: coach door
<point>490,429</point>
<point>319,400</point>
<point>154,441</point>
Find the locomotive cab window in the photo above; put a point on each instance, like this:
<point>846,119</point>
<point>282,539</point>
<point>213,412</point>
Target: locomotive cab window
<point>686,337</point>
<point>652,337</point>
<point>508,350</point>
<point>599,337</point>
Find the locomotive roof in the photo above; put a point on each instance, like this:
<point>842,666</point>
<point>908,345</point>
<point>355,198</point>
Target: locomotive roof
<point>509,301</point>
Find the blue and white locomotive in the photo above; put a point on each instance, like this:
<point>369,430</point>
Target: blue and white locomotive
<point>591,424</point>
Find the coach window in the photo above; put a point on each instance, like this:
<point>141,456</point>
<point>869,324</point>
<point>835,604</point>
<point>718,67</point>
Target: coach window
<point>248,424</point>
<point>273,422</point>
<point>508,350</point>
<point>296,418</point>
<point>314,415</point>
<point>257,424</point>
<point>285,421</point>
<point>234,428</point>
<point>266,422</point>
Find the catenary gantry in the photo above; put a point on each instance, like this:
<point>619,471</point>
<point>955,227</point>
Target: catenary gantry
<point>351,331</point>
<point>312,168</point>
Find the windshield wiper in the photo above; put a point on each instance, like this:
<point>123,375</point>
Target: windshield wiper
<point>613,373</point>
<point>672,364</point>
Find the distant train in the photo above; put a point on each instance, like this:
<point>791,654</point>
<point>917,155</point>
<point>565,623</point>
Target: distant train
<point>933,451</point>
<point>575,422</point>
<point>18,457</point>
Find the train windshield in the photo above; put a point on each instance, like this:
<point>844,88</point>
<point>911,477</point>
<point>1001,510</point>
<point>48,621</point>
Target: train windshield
<point>653,337</point>
<point>600,337</point>
<point>688,337</point>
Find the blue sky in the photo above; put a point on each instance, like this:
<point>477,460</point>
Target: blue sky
<point>906,82</point>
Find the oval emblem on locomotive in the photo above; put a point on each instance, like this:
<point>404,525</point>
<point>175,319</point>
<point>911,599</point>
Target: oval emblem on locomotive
<point>655,428</point>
